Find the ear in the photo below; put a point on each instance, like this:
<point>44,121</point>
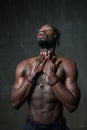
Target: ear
<point>54,36</point>
<point>57,42</point>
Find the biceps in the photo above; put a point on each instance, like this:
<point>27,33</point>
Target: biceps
<point>18,83</point>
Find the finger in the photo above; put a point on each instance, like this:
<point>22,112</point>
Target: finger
<point>39,56</point>
<point>44,52</point>
<point>53,59</point>
<point>41,53</point>
<point>45,60</point>
<point>38,60</point>
<point>58,62</point>
<point>49,55</point>
<point>42,58</point>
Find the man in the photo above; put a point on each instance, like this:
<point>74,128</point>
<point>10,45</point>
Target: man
<point>47,83</point>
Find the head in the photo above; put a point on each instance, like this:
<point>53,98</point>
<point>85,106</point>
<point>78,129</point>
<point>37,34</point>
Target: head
<point>48,36</point>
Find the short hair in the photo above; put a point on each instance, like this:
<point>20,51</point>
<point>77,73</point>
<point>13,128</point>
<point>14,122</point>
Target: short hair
<point>57,33</point>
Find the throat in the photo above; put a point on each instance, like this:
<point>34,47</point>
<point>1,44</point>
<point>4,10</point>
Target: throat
<point>45,44</point>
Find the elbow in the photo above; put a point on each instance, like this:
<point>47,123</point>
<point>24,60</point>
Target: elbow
<point>73,107</point>
<point>15,105</point>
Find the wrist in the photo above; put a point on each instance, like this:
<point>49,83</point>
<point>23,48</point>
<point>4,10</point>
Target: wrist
<point>52,77</point>
<point>53,80</point>
<point>30,79</point>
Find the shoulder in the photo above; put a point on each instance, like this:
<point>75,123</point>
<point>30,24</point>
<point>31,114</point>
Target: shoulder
<point>68,63</point>
<point>26,62</point>
<point>68,66</point>
<point>25,65</point>
<point>65,62</point>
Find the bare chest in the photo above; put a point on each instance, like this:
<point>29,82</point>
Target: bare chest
<point>43,89</point>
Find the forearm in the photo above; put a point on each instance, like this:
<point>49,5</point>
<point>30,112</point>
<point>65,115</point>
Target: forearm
<point>64,95</point>
<point>22,93</point>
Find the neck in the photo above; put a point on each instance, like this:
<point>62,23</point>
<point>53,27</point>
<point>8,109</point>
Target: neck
<point>46,50</point>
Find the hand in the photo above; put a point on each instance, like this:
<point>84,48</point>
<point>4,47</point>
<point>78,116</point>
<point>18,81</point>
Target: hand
<point>51,67</point>
<point>38,65</point>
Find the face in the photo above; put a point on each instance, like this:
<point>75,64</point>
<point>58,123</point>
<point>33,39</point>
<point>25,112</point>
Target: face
<point>45,36</point>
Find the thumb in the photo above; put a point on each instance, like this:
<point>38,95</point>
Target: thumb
<point>58,62</point>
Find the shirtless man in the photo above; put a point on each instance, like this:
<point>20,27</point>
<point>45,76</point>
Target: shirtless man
<point>47,83</point>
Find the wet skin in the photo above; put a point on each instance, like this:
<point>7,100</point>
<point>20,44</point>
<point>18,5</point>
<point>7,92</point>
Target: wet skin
<point>43,104</point>
<point>33,83</point>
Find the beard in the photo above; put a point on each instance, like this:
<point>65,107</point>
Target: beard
<point>46,44</point>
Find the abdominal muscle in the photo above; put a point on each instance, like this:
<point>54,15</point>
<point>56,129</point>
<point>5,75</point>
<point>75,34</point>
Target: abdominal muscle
<point>43,106</point>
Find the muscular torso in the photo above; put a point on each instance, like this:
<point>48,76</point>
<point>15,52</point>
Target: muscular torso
<point>43,106</point>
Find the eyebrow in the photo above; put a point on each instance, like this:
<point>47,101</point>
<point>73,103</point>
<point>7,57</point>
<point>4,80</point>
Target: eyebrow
<point>45,29</point>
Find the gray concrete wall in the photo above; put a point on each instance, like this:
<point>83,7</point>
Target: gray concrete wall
<point>19,22</point>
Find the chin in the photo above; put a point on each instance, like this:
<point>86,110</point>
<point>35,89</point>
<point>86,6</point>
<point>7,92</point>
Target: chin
<point>45,44</point>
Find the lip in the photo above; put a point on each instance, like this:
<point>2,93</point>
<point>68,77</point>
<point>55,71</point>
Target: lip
<point>40,35</point>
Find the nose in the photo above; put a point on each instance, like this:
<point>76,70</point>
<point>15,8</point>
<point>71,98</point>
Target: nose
<point>42,31</point>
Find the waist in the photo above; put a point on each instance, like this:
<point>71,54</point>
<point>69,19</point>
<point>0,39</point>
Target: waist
<point>60,123</point>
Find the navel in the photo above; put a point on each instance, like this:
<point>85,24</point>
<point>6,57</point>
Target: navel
<point>41,85</point>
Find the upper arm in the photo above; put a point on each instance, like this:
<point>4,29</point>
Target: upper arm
<point>71,73</point>
<point>20,75</point>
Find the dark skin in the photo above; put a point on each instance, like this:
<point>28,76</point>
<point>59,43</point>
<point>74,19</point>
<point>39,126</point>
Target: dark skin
<point>33,83</point>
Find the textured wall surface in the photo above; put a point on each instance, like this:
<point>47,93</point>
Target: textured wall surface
<point>19,22</point>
